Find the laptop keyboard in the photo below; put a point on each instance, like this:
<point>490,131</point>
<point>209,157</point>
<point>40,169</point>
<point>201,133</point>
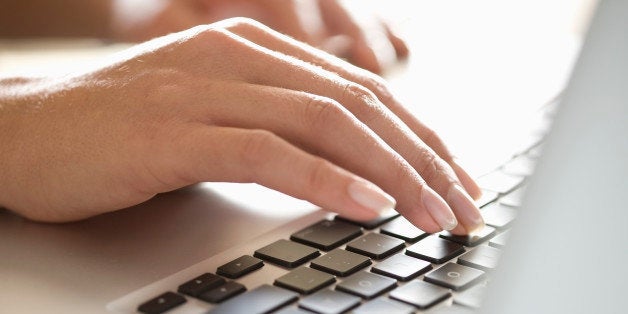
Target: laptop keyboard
<point>385,265</point>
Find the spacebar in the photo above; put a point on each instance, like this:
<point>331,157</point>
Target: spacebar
<point>261,300</point>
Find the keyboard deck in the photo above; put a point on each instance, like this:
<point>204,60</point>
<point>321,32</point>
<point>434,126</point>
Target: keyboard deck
<point>324,263</point>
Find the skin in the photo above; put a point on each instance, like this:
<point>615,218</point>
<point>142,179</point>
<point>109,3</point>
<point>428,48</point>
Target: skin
<point>231,101</point>
<point>366,40</point>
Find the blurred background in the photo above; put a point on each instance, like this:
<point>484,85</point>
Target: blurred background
<point>479,70</point>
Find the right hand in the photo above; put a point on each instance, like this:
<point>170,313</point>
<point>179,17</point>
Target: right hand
<point>365,40</point>
<point>231,101</point>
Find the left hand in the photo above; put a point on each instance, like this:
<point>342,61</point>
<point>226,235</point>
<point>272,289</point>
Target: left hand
<point>366,41</point>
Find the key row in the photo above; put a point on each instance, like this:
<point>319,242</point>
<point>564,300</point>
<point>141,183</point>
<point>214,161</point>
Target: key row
<point>351,292</point>
<point>338,262</point>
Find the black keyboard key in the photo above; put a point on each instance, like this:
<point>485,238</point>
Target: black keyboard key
<point>472,239</point>
<point>240,267</point>
<point>454,276</point>
<point>403,229</point>
<point>498,215</point>
<point>201,284</point>
<point>486,198</point>
<point>374,223</point>
<point>287,253</point>
<point>329,302</point>
<point>499,182</point>
<point>402,267</point>
<point>366,285</point>
<point>224,292</point>
<point>261,300</point>
<point>435,250</point>
<point>162,303</point>
<point>483,257</point>
<point>305,280</point>
<point>471,297</point>
<point>500,240</point>
<point>384,305</point>
<point>327,234</point>
<point>375,245</point>
<point>420,294</point>
<point>340,262</point>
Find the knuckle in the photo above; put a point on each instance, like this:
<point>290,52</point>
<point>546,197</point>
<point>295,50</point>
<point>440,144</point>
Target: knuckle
<point>321,112</point>
<point>367,107</point>
<point>243,22</point>
<point>428,168</point>
<point>379,86</point>
<point>212,35</point>
<point>250,29</point>
<point>216,47</point>
<point>358,91</point>
<point>431,168</point>
<point>208,38</point>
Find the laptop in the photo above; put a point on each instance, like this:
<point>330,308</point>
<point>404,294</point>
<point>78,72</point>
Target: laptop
<point>555,210</point>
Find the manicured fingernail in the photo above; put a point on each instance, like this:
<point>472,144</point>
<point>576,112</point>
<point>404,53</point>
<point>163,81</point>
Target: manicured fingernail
<point>465,207</point>
<point>439,210</point>
<point>371,196</point>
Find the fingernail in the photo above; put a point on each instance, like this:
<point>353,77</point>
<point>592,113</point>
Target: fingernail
<point>465,207</point>
<point>439,210</point>
<point>371,196</point>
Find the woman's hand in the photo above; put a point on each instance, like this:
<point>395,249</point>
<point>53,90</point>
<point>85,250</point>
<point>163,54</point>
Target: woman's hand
<point>364,40</point>
<point>231,101</point>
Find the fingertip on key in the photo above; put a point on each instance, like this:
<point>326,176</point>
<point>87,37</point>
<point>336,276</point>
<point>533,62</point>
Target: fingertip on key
<point>463,205</point>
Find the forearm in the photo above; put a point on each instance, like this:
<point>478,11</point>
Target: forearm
<point>54,18</point>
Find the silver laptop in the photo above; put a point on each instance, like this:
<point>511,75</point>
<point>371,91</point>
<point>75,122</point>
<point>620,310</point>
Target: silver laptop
<point>555,242</point>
